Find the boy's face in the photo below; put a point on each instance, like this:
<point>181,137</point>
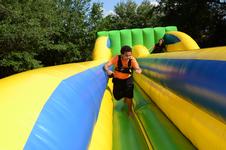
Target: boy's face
<point>161,41</point>
<point>127,55</point>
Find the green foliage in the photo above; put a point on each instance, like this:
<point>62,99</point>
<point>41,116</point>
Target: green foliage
<point>146,15</point>
<point>128,14</point>
<point>37,33</point>
<point>15,62</point>
<point>46,32</point>
<point>199,18</point>
<point>59,54</point>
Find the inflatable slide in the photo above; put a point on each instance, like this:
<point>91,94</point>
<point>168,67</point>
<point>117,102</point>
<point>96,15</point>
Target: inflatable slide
<point>179,99</point>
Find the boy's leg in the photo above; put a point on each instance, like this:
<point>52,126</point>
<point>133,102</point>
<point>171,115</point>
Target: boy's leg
<point>117,89</point>
<point>129,94</point>
<point>129,102</point>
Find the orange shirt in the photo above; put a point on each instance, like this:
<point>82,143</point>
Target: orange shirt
<point>120,75</point>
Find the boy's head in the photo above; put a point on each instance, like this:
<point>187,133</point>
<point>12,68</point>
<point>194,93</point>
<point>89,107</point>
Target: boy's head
<point>161,41</point>
<point>126,52</point>
<point>125,49</point>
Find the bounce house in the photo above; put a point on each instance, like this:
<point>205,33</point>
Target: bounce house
<point>179,99</point>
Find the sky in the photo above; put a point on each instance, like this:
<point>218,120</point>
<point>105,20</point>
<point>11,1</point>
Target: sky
<point>109,4</point>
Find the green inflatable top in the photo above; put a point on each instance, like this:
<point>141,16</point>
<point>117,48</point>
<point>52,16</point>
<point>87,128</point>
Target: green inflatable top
<point>146,37</point>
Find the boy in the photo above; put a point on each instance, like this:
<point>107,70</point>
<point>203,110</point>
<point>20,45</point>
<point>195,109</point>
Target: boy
<point>122,75</point>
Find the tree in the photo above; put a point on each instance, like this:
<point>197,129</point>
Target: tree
<point>216,33</point>
<point>44,33</point>
<point>94,25</point>
<point>125,14</point>
<point>75,19</point>
<point>14,62</point>
<point>21,34</point>
<point>128,14</point>
<point>198,18</point>
<point>146,15</point>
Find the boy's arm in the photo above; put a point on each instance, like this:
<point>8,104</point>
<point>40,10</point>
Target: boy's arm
<point>138,70</point>
<point>136,66</point>
<point>106,68</point>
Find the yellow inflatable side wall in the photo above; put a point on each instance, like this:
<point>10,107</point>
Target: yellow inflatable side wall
<point>197,125</point>
<point>102,133</point>
<point>202,128</point>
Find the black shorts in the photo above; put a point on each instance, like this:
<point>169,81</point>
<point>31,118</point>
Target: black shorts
<point>123,88</point>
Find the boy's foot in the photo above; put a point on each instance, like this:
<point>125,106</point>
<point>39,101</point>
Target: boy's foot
<point>130,113</point>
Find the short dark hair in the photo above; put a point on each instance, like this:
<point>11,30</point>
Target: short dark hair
<point>125,48</point>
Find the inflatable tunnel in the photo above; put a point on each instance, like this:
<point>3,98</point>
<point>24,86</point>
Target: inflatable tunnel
<point>179,99</point>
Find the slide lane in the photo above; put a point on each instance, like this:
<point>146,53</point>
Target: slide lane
<point>126,131</point>
<point>149,128</point>
<point>160,131</point>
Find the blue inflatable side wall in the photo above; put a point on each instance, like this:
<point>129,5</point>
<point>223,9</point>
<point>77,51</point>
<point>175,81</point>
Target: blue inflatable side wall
<point>201,81</point>
<point>73,106</point>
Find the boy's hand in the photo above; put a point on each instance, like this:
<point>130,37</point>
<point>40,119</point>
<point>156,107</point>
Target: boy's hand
<point>138,71</point>
<point>109,72</point>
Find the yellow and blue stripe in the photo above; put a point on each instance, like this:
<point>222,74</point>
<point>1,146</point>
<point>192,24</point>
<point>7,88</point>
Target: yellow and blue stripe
<point>73,107</point>
<point>45,101</point>
<point>189,87</point>
<point>197,80</point>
